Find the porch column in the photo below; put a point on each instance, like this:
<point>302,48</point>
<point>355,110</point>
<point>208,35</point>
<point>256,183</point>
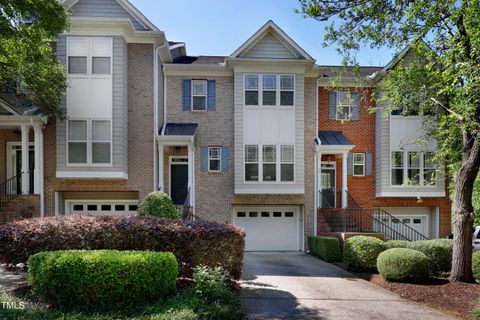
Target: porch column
<point>190,168</point>
<point>344,180</point>
<point>25,164</point>
<point>38,154</point>
<point>161,187</point>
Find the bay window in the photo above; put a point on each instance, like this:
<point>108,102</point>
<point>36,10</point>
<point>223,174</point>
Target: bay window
<point>413,168</point>
<point>89,142</point>
<point>268,167</point>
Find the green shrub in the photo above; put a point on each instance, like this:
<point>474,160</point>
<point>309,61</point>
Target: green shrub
<point>439,251</point>
<point>475,314</point>
<point>326,248</point>
<point>158,204</point>
<point>210,283</point>
<point>390,244</point>
<point>99,277</point>
<point>403,265</point>
<point>476,264</point>
<point>361,252</point>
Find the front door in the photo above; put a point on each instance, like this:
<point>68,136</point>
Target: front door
<point>327,182</point>
<point>18,168</point>
<point>178,181</point>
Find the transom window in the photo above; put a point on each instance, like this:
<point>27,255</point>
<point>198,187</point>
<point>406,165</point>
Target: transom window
<point>276,90</point>
<point>413,168</point>
<point>214,159</point>
<point>359,164</point>
<point>89,141</point>
<point>199,95</point>
<point>269,167</point>
<point>344,106</point>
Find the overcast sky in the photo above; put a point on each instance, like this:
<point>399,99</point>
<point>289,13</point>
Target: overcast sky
<point>219,27</point>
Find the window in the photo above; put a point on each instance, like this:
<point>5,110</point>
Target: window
<point>359,164</point>
<point>397,168</point>
<point>251,90</point>
<point>214,159</point>
<point>89,142</point>
<point>287,161</point>
<point>413,168</point>
<point>77,65</point>
<point>251,163</point>
<point>344,101</point>
<point>199,95</point>
<point>286,90</point>
<point>429,169</point>
<point>89,56</point>
<point>101,65</point>
<point>269,90</point>
<point>269,163</point>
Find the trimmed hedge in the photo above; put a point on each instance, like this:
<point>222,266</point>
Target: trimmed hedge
<point>390,244</point>
<point>403,265</point>
<point>361,252</point>
<point>326,248</point>
<point>158,204</point>
<point>193,243</point>
<point>439,251</point>
<point>476,264</point>
<point>84,278</point>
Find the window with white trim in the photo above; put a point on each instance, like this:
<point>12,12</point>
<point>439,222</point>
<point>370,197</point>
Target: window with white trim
<point>267,166</point>
<point>429,169</point>
<point>413,168</point>
<point>269,163</point>
<point>359,164</point>
<point>344,106</point>
<point>251,90</point>
<point>287,90</point>
<point>269,90</point>
<point>199,95</point>
<point>276,90</point>
<point>251,163</point>
<point>89,56</point>
<point>89,142</point>
<point>397,168</point>
<point>287,163</point>
<point>413,172</point>
<point>214,159</point>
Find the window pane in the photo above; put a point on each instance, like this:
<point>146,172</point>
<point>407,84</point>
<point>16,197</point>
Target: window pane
<point>251,172</point>
<point>430,177</point>
<point>343,98</point>
<point>251,153</point>
<point>413,159</point>
<point>251,98</point>
<point>397,159</point>
<point>101,65</point>
<point>397,177</point>
<point>269,98</point>
<point>199,103</point>
<point>286,153</point>
<point>251,82</point>
<point>358,158</point>
<point>286,82</point>
<point>100,130</point>
<point>269,82</point>
<point>358,170</point>
<point>199,88</point>
<point>214,153</point>
<point>269,154</point>
<point>413,176</point>
<point>429,160</point>
<point>101,152</point>
<point>77,130</point>
<point>214,165</point>
<point>286,98</point>
<point>77,152</point>
<point>343,112</point>
<point>269,172</point>
<point>286,172</point>
<point>77,65</point>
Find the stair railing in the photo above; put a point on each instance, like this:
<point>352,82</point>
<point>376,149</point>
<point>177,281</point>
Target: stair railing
<point>9,190</point>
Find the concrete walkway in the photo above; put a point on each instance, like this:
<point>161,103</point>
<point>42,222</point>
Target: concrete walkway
<point>9,278</point>
<point>298,286</point>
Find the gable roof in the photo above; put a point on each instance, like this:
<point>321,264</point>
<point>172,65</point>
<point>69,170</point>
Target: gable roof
<point>128,7</point>
<point>270,29</point>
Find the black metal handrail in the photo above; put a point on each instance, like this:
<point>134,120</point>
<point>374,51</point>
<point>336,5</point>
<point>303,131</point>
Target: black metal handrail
<point>9,190</point>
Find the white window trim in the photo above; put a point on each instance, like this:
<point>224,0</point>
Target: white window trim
<point>90,74</point>
<point>219,159</point>
<point>89,142</point>
<point>260,90</point>
<point>278,163</point>
<point>363,164</point>
<point>337,103</point>
<point>405,168</point>
<point>205,83</point>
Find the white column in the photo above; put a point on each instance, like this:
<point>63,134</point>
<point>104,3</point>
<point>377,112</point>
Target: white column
<point>161,187</point>
<point>25,164</point>
<point>319,181</point>
<point>192,191</point>
<point>344,180</point>
<point>190,168</point>
<point>36,172</point>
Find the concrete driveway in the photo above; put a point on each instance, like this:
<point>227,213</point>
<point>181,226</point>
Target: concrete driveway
<point>298,286</point>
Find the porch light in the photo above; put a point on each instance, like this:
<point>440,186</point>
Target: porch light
<point>419,200</point>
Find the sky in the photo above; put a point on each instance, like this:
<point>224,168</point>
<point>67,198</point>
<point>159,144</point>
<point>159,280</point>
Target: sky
<point>219,27</point>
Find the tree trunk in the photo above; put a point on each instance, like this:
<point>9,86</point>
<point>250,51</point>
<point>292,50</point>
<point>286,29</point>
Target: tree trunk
<point>464,215</point>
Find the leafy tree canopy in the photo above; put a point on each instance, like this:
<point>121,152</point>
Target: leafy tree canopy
<point>26,55</point>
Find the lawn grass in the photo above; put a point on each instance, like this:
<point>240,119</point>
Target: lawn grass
<point>475,315</point>
<point>185,305</point>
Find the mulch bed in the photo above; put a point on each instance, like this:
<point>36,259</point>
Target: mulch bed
<point>456,299</point>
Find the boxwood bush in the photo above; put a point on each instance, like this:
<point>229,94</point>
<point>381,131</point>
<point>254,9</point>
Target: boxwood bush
<point>476,264</point>
<point>83,278</point>
<point>361,252</point>
<point>390,244</point>
<point>158,204</point>
<point>193,243</point>
<point>403,265</point>
<point>326,248</point>
<point>439,251</point>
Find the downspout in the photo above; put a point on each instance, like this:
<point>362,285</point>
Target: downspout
<point>316,162</point>
<point>155,116</point>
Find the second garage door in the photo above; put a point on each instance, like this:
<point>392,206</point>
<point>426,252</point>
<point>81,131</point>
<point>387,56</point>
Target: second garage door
<point>268,229</point>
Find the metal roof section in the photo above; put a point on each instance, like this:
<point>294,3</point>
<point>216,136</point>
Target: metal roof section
<point>333,138</point>
<point>179,129</point>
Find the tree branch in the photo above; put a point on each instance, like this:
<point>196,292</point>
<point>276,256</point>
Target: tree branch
<point>459,117</point>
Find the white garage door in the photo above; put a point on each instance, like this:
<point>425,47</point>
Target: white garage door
<point>268,229</point>
<point>101,207</point>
